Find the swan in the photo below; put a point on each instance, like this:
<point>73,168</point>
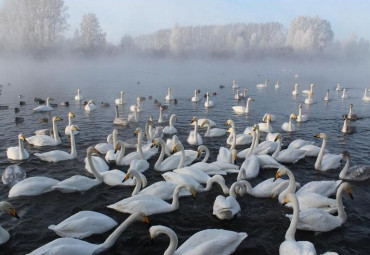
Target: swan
<point>237,96</point>
<point>162,117</point>
<point>84,224</point>
<point>119,101</point>
<point>226,207</point>
<point>289,126</point>
<point>103,148</point>
<point>277,85</point>
<point>308,91</point>
<point>366,98</point>
<point>91,106</point>
<point>250,168</point>
<point>326,161</point>
<point>137,106</point>
<point>324,188</point>
<point>58,155</point>
<point>351,116</point>
<point>344,95</point>
<point>242,109</point>
<point>194,173</point>
<point>264,189</point>
<point>318,220</point>
<point>235,85</point>
<point>301,117</point>
<point>208,102</point>
<point>32,186</point>
<point>44,108</point>
<point>140,164</point>
<point>170,130</point>
<point>297,144</point>
<point>266,127</point>
<point>355,173</point>
<point>69,246</point>
<point>312,150</point>
<point>78,182</point>
<point>174,161</point>
<point>214,132</point>
<point>234,139</point>
<point>195,98</point>
<point>255,147</point>
<point>227,155</point>
<point>287,155</point>
<point>346,127</point>
<point>326,98</point>
<point>194,138</point>
<point>18,153</point>
<point>120,121</point>
<point>244,94</point>
<point>295,91</point>
<point>338,87</point>
<point>262,85</point>
<point>202,120</point>
<point>140,154</point>
<point>79,97</point>
<point>290,246</point>
<point>149,204</point>
<point>209,241</point>
<point>169,96</point>
<point>45,140</point>
<point>67,130</point>
<point>133,117</point>
<point>6,207</point>
<point>273,117</point>
<point>309,99</point>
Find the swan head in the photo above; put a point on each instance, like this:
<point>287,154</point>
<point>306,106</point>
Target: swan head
<point>206,122</point>
<point>122,93</point>
<point>71,115</point>
<point>74,128</point>
<point>21,137</point>
<point>255,127</point>
<point>345,154</point>
<point>277,137</point>
<point>250,99</point>
<point>300,106</point>
<point>321,135</point>
<point>351,106</point>
<point>119,144</point>
<point>345,116</point>
<point>137,131</point>
<point>347,187</point>
<point>201,148</point>
<point>194,119</point>
<point>8,208</point>
<point>229,122</point>
<point>78,90</point>
<point>177,147</point>
<point>296,85</point>
<point>154,143</point>
<point>312,85</point>
<point>56,118</point>
<point>280,172</point>
<point>130,172</point>
<point>92,150</point>
<point>293,116</point>
<point>288,198</point>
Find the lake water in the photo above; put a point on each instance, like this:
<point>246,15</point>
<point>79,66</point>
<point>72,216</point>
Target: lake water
<point>102,80</point>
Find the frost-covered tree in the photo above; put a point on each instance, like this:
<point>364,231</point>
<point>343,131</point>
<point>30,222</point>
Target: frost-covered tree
<point>91,35</point>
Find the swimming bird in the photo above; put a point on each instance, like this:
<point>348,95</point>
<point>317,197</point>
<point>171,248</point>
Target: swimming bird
<point>235,85</point>
<point>195,98</point>
<point>354,173</point>
<point>6,207</point>
<point>326,98</point>
<point>351,116</point>
<point>18,153</point>
<point>79,97</point>
<point>208,102</point>
<point>194,137</point>
<point>119,101</point>
<point>262,85</point>
<point>301,117</point>
<point>91,106</point>
<point>169,130</point>
<point>289,126</point>
<point>67,130</point>
<point>308,91</point>
<point>214,132</point>
<point>242,109</point>
<point>346,127</point>
<point>45,140</point>
<point>295,91</point>
<point>326,161</point>
<point>226,207</point>
<point>44,108</point>
<point>169,96</point>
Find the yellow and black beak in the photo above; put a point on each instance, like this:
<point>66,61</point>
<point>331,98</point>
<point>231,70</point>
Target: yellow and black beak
<point>193,194</point>
<point>96,151</point>
<point>58,118</point>
<point>154,143</point>
<point>317,136</point>
<point>136,133</point>
<point>226,123</point>
<point>146,220</point>
<point>276,176</point>
<point>350,193</point>
<point>23,138</point>
<point>285,201</point>
<point>174,149</point>
<point>198,153</point>
<point>126,177</point>
<point>192,120</point>
<point>14,213</point>
<point>277,138</point>
<point>116,148</point>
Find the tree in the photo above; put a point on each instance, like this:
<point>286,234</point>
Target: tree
<point>92,36</point>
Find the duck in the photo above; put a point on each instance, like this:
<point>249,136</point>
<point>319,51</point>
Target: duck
<point>170,130</point>
<point>347,129</point>
<point>6,207</point>
<point>225,208</point>
<point>67,130</point>
<point>119,101</point>
<point>318,220</point>
<point>208,103</point>
<point>149,204</point>
<point>32,186</point>
<point>214,132</point>
<point>119,120</point>
<point>326,161</point>
<point>194,137</point>
<point>309,99</point>
<point>344,95</point>
<point>354,173</point>
<point>308,91</point>
<point>327,98</point>
<point>287,155</point>
<point>209,241</point>
<point>67,245</point>
<point>18,153</point>
<point>289,126</point>
<point>295,91</point>
<point>242,109</point>
<point>235,85</point>
<point>262,85</point>
<point>79,97</point>
<point>301,117</point>
<point>195,98</point>
<point>351,116</point>
<point>58,155</point>
<point>45,140</point>
<point>44,108</point>
<point>84,224</point>
<point>169,96</point>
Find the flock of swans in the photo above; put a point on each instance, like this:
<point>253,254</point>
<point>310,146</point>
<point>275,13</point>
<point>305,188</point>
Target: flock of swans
<point>313,209</point>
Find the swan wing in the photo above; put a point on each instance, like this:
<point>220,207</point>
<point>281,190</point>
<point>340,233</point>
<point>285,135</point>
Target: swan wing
<point>297,144</point>
<point>146,204</point>
<point>99,164</point>
<point>54,156</point>
<point>198,175</point>
<point>32,186</point>
<point>324,188</point>
<point>330,161</point>
<point>41,140</point>
<point>164,190</point>
<point>290,155</point>
<point>66,246</point>
<point>264,189</point>
<point>217,132</point>
<point>75,183</point>
<point>295,248</point>
<point>180,179</point>
<point>239,109</point>
<point>251,167</point>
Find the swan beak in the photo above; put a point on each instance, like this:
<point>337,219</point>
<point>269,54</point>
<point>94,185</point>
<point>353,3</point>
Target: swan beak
<point>126,177</point>
<point>317,136</point>
<point>272,196</point>
<point>276,138</point>
<point>226,123</point>
<point>198,153</point>
<point>285,201</point>
<point>154,143</point>
<point>23,138</point>
<point>174,149</point>
<point>235,159</point>
<point>14,213</point>
<point>96,151</point>
<point>136,133</point>
<point>193,194</point>
<point>146,220</point>
<point>58,118</point>
<point>350,193</point>
<point>276,176</point>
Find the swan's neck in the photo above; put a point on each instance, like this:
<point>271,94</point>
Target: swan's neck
<point>345,125</point>
<point>341,213</point>
<point>171,120</point>
<point>120,155</point>
<point>365,94</point>
<point>69,120</point>
<point>160,119</point>
<point>321,154</point>
<point>47,102</point>
<point>249,188</point>
<point>344,171</point>
<point>140,146</point>
<point>299,113</point>
<point>73,143</point>
<point>207,99</point>
<point>208,129</point>
<point>175,198</point>
<point>257,138</point>
<point>296,88</point>
<point>136,177</point>
<point>216,179</point>
<point>247,106</point>
<point>290,233</point>
<point>206,156</point>
<point>55,131</point>
<point>250,151</point>
<point>161,156</point>
<point>114,138</point>
<point>150,132</point>
<point>277,151</point>
<point>21,148</point>
<point>96,173</point>
<point>291,187</point>
<point>121,98</point>
<point>350,112</point>
<point>233,189</point>
<point>117,114</point>
<point>181,163</point>
<point>173,241</point>
<point>233,133</point>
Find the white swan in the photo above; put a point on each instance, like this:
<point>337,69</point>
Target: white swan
<point>309,99</point>
<point>326,161</point>
<point>170,130</point>
<point>103,148</point>
<point>18,152</point>
<point>137,106</point>
<point>301,117</point>
<point>32,186</point>
<point>289,126</point>
<point>79,97</point>
<point>295,91</point>
<point>208,102</point>
<point>308,91</point>
<point>133,117</point>
<point>79,182</point>
<point>44,108</point>
<point>119,120</point>
<point>242,109</point>
<point>84,224</point>
<point>67,130</point>
<point>169,96</point>
<point>45,140</point>
<point>366,98</point>
<point>226,207</point>
<point>344,95</point>
<point>318,220</point>
<point>209,241</point>
<point>264,189</point>
<point>90,106</point>
<point>194,137</point>
<point>68,246</point>
<point>236,139</point>
<point>327,98</point>
<point>262,85</point>
<point>287,155</point>
<point>354,173</point>
<point>297,144</point>
<point>338,87</point>
<point>277,85</point>
<point>6,207</point>
<point>237,96</point>
<point>266,127</point>
<point>250,168</point>
<point>290,246</point>
<point>214,132</point>
<point>255,147</point>
<point>195,98</point>
<point>352,116</point>
<point>149,204</point>
<point>119,101</point>
<point>347,129</point>
<point>235,85</point>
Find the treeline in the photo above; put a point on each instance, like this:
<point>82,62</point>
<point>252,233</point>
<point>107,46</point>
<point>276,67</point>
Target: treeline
<point>37,26</point>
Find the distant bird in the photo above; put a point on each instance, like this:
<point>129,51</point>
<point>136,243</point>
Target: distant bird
<point>4,107</point>
<point>64,103</point>
<point>22,102</point>
<point>214,93</point>
<point>19,120</point>
<point>222,86</point>
<point>104,104</point>
<point>79,97</point>
<point>16,110</point>
<point>150,97</point>
<point>44,120</point>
